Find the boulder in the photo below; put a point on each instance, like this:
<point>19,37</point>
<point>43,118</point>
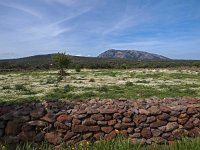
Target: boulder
<point>111,135</point>
<point>146,133</point>
<point>139,119</point>
<point>64,117</point>
<point>158,123</point>
<point>49,117</point>
<point>107,129</point>
<point>192,111</point>
<point>171,126</point>
<point>53,138</point>
<point>13,128</point>
<point>89,122</point>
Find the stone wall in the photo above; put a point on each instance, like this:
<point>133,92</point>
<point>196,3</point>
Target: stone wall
<point>147,121</point>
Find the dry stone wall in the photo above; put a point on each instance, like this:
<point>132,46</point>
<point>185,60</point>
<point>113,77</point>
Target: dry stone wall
<point>147,121</point>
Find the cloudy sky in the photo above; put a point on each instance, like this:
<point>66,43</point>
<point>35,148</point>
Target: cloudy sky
<point>89,27</point>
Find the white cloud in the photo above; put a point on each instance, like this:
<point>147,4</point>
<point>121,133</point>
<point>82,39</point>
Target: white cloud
<point>22,8</point>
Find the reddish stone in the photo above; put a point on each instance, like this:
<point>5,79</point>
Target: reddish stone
<point>179,133</point>
<point>50,117</point>
<point>27,136</point>
<point>59,125</point>
<point>117,116</point>
<point>93,128</point>
<point>64,117</point>
<point>172,119</point>
<point>87,135</point>
<point>108,117</point>
<point>158,140</point>
<point>175,113</point>
<point>163,116</point>
<point>194,132</point>
<point>12,128</point>
<point>183,121</point>
<point>119,126</point>
<point>192,111</point>
<point>68,135</point>
<point>189,125</point>
<point>126,120</point>
<point>146,133</point>
<point>181,116</point>
<point>80,116</point>
<point>151,119</point>
<point>124,133</point>
<point>101,123</point>
<point>154,110</point>
<point>139,119</point>
<point>97,117</point>
<point>53,138</point>
<point>126,125</point>
<point>37,113</point>
<point>89,122</point>
<point>130,130</point>
<point>112,122</point>
<point>76,121</point>
<point>108,111</point>
<point>98,135</point>
<point>158,123</point>
<point>92,111</point>
<point>144,112</point>
<point>110,136</point>
<point>128,113</point>
<point>171,126</point>
<point>79,128</point>
<point>165,109</point>
<point>107,129</point>
<point>156,132</point>
<point>135,135</point>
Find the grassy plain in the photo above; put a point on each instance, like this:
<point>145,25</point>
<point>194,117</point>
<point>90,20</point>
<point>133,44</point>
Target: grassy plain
<point>102,83</point>
<point>116,144</point>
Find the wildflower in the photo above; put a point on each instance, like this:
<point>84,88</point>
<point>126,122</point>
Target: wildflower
<point>117,131</point>
<point>87,143</point>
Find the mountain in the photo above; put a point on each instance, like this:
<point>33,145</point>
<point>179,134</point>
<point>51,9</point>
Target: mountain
<point>45,62</point>
<point>131,54</point>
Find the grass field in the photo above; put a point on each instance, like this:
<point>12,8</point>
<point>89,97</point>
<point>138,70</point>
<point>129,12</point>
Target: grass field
<point>131,84</point>
<point>117,144</point>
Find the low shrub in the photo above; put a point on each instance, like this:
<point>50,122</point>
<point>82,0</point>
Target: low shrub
<point>20,87</point>
<point>91,80</point>
<point>128,83</point>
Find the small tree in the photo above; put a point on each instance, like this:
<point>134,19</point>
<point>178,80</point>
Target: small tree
<point>62,61</point>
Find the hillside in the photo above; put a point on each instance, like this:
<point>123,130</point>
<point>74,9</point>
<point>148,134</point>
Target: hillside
<point>131,54</point>
<point>45,62</point>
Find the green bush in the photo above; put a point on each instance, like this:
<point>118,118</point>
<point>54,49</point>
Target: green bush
<point>67,88</point>
<point>128,83</point>
<point>91,80</point>
<point>78,68</point>
<point>6,87</point>
<point>20,87</point>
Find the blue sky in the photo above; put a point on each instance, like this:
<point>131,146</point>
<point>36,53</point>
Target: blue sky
<point>89,27</point>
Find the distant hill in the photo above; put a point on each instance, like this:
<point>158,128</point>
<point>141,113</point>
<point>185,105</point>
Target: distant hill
<point>131,54</point>
<point>45,62</point>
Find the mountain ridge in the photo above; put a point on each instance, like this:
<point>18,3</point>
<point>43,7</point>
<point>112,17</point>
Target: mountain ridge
<point>131,54</point>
